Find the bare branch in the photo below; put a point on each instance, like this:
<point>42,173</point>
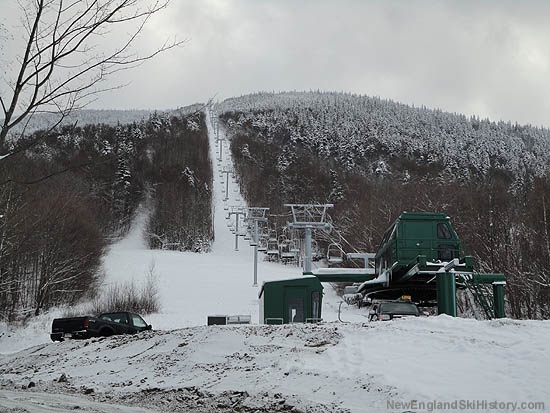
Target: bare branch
<point>61,65</point>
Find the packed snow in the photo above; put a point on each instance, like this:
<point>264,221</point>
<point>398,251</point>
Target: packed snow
<point>354,367</point>
<point>184,365</point>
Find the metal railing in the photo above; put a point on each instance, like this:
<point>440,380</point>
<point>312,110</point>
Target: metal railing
<point>480,294</point>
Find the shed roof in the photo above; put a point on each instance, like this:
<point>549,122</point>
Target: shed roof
<point>422,215</point>
<point>290,281</point>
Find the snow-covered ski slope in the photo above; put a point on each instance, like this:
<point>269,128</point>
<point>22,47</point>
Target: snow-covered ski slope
<point>193,286</point>
<point>332,367</point>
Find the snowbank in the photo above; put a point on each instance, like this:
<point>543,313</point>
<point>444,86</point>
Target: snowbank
<point>329,367</point>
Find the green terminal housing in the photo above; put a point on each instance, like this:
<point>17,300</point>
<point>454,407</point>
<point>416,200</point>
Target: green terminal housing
<point>422,256</point>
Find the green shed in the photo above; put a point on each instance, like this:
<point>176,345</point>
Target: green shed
<point>296,300</point>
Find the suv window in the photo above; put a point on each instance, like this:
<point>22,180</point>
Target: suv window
<point>121,318</point>
<point>138,321</point>
<point>399,308</point>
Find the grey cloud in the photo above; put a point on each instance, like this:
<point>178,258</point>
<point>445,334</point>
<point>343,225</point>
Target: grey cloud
<point>488,58</point>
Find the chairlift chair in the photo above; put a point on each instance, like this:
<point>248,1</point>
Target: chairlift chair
<point>262,244</point>
<point>272,247</point>
<point>316,253</point>
<point>294,247</point>
<point>335,255</point>
<point>284,251</point>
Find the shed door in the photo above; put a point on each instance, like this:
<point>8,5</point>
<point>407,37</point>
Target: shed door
<point>316,304</point>
<point>294,304</point>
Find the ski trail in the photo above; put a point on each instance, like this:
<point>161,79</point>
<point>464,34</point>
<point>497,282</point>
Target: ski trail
<point>192,285</point>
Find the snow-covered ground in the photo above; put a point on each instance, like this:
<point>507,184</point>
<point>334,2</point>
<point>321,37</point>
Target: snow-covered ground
<point>357,367</point>
<point>184,365</point>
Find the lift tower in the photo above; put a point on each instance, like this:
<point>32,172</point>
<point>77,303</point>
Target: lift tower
<point>220,140</point>
<point>256,215</point>
<point>227,171</point>
<point>237,211</point>
<point>309,217</point>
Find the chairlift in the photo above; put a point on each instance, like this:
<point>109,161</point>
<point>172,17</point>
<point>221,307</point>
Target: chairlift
<point>262,244</point>
<point>316,254</point>
<point>335,255</point>
<point>272,247</point>
<point>285,252</point>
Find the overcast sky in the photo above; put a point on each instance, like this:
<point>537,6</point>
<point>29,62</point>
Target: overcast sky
<point>489,58</point>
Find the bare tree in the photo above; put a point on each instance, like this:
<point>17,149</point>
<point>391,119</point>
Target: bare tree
<point>72,47</point>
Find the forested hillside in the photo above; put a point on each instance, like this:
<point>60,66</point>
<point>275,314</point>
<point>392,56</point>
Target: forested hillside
<point>65,196</point>
<point>374,159</point>
<point>181,181</point>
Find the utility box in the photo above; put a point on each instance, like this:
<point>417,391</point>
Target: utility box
<point>296,300</point>
<point>216,320</point>
<point>228,319</point>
